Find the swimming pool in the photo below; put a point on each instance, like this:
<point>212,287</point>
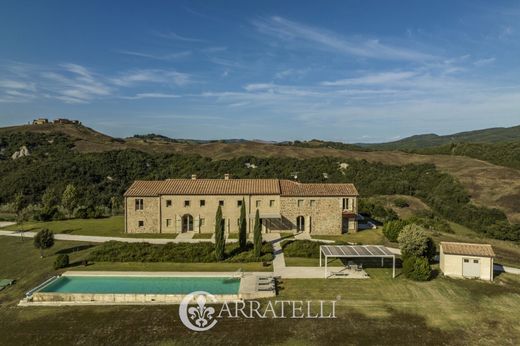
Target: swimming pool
<point>141,285</point>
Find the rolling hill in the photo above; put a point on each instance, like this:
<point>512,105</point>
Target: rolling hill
<point>488,184</point>
<point>491,135</point>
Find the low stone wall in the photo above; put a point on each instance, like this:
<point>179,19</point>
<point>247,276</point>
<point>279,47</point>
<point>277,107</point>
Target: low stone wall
<point>111,298</point>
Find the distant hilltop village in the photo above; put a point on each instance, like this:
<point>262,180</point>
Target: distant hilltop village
<point>41,121</point>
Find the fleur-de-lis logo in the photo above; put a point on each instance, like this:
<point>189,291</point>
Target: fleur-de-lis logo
<point>200,317</point>
<point>200,313</point>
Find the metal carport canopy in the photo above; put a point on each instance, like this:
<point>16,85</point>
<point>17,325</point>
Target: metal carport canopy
<point>343,251</point>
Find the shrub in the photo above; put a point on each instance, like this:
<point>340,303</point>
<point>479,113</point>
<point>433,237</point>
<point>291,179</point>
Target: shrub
<point>414,242</point>
<point>301,248</point>
<point>401,203</point>
<point>417,268</point>
<point>62,261</point>
<point>391,229</point>
<point>114,251</point>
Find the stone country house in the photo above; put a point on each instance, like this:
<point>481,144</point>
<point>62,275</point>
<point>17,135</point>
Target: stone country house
<point>190,205</point>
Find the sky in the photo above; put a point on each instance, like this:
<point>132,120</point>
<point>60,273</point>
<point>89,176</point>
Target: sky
<point>350,71</point>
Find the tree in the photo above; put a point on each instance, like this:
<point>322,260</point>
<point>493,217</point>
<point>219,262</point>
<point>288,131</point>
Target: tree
<point>44,239</point>
<point>242,231</point>
<point>115,205</point>
<point>414,242</point>
<point>69,200</point>
<point>220,241</point>
<point>417,268</point>
<point>257,233</point>
<point>49,198</point>
<point>391,229</point>
<point>18,206</point>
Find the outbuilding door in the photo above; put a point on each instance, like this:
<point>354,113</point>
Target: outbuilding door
<point>471,267</point>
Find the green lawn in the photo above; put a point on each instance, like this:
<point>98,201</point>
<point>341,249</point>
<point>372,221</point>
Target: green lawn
<point>379,310</point>
<point>202,235</point>
<point>107,227</point>
<point>364,237</point>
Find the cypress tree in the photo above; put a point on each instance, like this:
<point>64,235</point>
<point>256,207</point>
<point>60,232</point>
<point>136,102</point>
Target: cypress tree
<point>242,231</point>
<point>220,241</point>
<point>258,235</point>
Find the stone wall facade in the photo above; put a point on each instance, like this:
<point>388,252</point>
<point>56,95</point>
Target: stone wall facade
<point>196,213</point>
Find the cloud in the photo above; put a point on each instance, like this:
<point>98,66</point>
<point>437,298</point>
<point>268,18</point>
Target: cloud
<point>77,84</point>
<point>483,62</point>
<point>134,77</point>
<point>165,57</point>
<point>177,37</point>
<point>290,73</point>
<point>373,79</point>
<point>151,95</point>
<point>287,30</point>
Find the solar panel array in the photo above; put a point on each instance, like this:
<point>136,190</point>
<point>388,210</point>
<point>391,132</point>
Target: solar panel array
<point>356,251</point>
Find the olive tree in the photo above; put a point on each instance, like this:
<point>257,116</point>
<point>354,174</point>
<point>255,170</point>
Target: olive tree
<point>44,239</point>
<point>415,242</point>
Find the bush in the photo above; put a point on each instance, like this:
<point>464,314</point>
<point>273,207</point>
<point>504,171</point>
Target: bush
<point>301,248</point>
<point>417,268</point>
<point>114,251</point>
<point>414,242</point>
<point>376,210</point>
<point>391,229</point>
<point>61,261</point>
<point>401,203</point>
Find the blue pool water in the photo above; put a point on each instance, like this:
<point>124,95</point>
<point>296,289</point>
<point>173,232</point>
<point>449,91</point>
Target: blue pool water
<point>142,285</point>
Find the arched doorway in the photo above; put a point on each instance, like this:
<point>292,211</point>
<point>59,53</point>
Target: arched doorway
<point>300,223</point>
<point>187,223</point>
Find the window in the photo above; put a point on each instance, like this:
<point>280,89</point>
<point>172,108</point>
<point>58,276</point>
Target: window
<point>300,223</point>
<point>201,222</point>
<point>202,202</point>
<point>312,203</point>
<point>221,203</point>
<point>168,222</point>
<point>271,203</point>
<point>300,203</point>
<point>186,203</point>
<point>239,203</point>
<point>238,222</point>
<point>140,223</point>
<point>348,203</point>
<point>258,203</point>
<point>139,204</point>
<point>466,260</point>
<point>168,202</point>
<point>475,261</point>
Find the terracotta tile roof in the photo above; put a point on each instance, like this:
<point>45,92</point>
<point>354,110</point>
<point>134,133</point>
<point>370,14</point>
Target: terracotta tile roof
<point>293,188</point>
<point>236,187</point>
<point>468,249</point>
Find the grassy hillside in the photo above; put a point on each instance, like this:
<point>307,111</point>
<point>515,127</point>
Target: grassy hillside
<point>491,135</point>
<point>487,184</point>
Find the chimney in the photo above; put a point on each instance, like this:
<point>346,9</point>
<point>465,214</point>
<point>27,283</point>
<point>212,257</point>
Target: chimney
<point>226,176</point>
<point>194,177</point>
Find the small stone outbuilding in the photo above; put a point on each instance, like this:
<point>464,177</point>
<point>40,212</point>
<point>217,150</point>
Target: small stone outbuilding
<point>467,260</point>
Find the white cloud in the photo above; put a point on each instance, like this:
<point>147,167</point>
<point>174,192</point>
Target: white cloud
<point>151,76</point>
<point>373,79</point>
<point>483,62</point>
<point>177,37</point>
<point>151,95</point>
<point>288,30</point>
<point>166,57</point>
